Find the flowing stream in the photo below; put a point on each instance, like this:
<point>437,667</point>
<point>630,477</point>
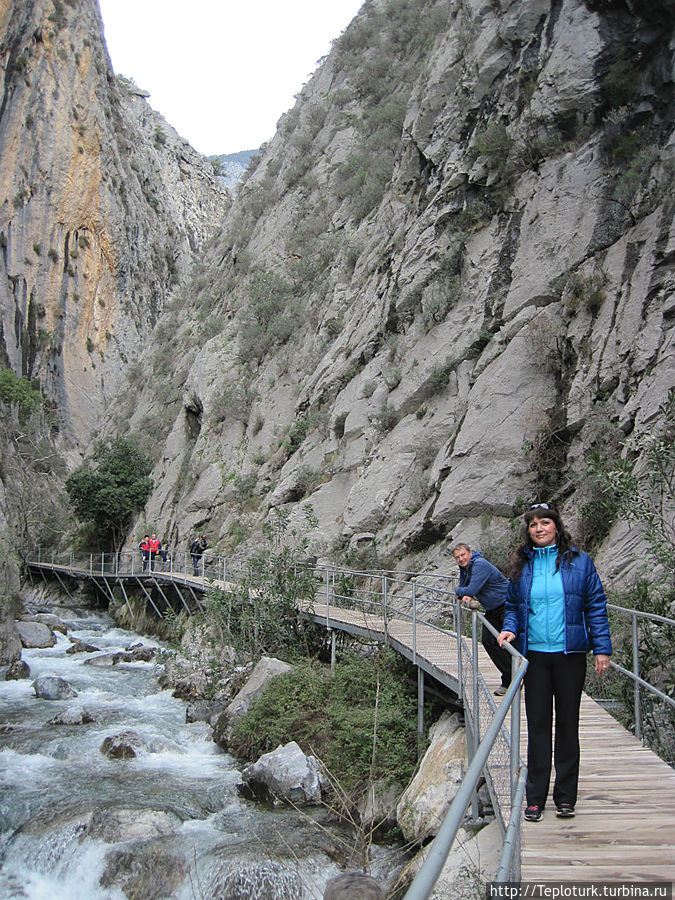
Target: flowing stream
<point>169,823</point>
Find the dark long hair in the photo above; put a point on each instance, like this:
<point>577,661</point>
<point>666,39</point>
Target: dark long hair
<point>519,556</point>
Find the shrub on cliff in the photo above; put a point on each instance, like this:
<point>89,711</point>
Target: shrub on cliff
<point>110,490</point>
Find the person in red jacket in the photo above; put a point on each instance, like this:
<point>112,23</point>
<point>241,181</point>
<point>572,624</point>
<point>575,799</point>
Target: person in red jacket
<point>154,550</point>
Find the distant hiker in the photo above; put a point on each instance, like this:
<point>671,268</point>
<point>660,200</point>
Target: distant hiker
<point>162,552</point>
<point>154,550</point>
<point>144,547</point>
<point>480,580</point>
<point>197,548</point>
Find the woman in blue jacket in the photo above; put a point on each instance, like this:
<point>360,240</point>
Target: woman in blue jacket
<point>556,611</point>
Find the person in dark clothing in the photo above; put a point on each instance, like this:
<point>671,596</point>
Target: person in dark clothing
<point>480,580</point>
<point>197,548</point>
<point>144,547</point>
<point>556,611</point>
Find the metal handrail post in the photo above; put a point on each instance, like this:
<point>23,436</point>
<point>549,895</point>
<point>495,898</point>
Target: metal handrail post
<point>384,607</point>
<point>327,594</point>
<point>224,571</point>
<point>474,679</point>
<point>102,563</point>
<point>515,737</point>
<point>414,634</point>
<point>636,671</point>
<point>91,563</point>
<point>458,620</point>
<point>511,838</point>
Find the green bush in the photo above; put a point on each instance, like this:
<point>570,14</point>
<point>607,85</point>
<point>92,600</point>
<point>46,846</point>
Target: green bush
<point>335,719</point>
<point>18,390</point>
<point>109,492</point>
<point>270,318</point>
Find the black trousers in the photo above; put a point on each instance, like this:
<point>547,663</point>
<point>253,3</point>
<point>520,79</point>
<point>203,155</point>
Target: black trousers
<point>559,678</point>
<point>500,657</point>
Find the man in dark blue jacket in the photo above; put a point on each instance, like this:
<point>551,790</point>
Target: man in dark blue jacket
<point>480,580</point>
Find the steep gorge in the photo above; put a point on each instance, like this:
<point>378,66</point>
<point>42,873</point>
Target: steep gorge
<point>446,283</point>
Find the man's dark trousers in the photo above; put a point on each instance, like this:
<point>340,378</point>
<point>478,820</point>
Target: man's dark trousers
<point>500,657</point>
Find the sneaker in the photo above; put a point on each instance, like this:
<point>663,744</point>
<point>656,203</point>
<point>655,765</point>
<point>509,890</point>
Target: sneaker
<point>501,690</point>
<point>564,810</point>
<point>532,812</point>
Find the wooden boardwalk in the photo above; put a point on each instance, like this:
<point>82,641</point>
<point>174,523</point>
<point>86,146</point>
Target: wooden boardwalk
<point>624,829</point>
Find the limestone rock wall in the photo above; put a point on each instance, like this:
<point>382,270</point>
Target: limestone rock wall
<point>102,206</point>
<point>457,339</point>
<point>445,285</point>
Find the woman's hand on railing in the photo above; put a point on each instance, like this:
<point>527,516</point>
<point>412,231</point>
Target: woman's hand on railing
<point>506,636</point>
<point>601,663</point>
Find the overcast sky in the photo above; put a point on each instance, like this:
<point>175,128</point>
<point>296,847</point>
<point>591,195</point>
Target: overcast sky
<point>222,73</point>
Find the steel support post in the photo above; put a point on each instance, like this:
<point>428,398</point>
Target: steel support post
<point>414,607</point>
<point>636,671</point>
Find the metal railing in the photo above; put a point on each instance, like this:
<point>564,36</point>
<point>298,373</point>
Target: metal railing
<point>636,616</point>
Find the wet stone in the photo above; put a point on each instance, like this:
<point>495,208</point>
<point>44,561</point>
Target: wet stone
<point>17,670</point>
<point>52,687</point>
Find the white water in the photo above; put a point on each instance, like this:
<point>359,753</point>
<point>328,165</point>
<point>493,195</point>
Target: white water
<point>52,777</point>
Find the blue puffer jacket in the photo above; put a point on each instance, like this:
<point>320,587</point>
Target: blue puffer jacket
<point>482,580</point>
<point>586,624</point>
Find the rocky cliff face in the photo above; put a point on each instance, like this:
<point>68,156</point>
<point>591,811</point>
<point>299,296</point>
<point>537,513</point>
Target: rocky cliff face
<point>446,286</point>
<point>102,206</point>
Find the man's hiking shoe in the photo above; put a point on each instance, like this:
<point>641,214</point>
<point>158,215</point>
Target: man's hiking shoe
<point>532,813</point>
<point>564,810</point>
<point>501,690</point>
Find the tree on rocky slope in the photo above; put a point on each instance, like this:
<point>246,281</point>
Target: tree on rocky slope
<point>109,492</point>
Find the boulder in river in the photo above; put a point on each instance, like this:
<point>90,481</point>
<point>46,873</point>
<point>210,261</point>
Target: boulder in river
<point>52,687</point>
<point>426,800</point>
<point>35,635</point>
<point>114,825</point>
<point>287,774</point>
<point>123,745</point>
<point>140,652</point>
<point>54,623</point>
<point>82,647</point>
<point>72,715</point>
<point>148,871</point>
<point>17,670</point>
<point>107,660</point>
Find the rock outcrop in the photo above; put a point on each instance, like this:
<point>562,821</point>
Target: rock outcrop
<point>102,206</point>
<point>425,802</point>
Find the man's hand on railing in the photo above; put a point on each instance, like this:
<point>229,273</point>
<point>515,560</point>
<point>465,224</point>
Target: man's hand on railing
<point>471,602</point>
